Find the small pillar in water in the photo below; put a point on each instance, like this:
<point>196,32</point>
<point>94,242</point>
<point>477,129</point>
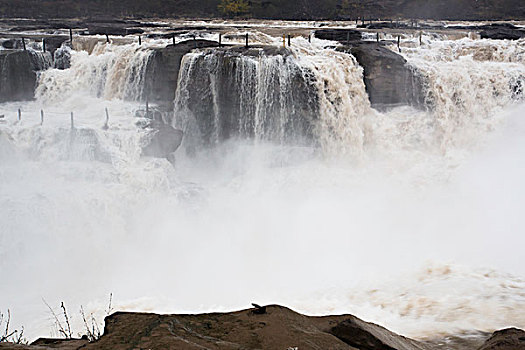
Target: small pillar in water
<point>41,117</point>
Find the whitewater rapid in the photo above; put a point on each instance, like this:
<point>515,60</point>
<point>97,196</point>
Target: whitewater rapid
<point>408,218</point>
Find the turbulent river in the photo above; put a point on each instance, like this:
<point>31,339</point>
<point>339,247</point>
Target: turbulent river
<point>408,218</point>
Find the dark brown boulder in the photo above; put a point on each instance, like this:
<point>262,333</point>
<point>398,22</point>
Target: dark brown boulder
<point>506,339</point>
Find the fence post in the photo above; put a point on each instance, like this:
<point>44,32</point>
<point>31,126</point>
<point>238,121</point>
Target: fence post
<point>309,38</point>
<point>398,42</point>
<point>24,43</point>
<point>107,38</point>
<point>140,40</point>
<point>43,45</point>
<point>41,117</point>
<point>377,36</point>
<point>246,40</point>
<point>173,39</point>
<point>284,40</point>
<point>289,40</point>
<point>220,39</point>
<point>147,109</point>
<point>71,36</point>
<point>19,114</point>
<point>72,121</point>
<point>420,38</point>
<point>107,119</point>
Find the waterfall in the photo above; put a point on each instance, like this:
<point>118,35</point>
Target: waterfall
<point>223,94</point>
<point>109,72</point>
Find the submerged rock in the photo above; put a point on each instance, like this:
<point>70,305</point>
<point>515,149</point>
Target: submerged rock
<point>163,142</point>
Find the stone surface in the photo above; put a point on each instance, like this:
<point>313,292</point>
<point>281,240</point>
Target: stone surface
<point>163,142</point>
<point>18,74</point>
<point>505,339</point>
<point>388,79</point>
<point>278,328</point>
<point>341,35</point>
<point>502,31</point>
<point>163,69</point>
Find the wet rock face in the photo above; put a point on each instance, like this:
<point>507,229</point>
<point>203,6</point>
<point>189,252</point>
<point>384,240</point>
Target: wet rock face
<point>388,79</point>
<point>163,142</point>
<point>18,74</point>
<point>506,339</point>
<point>163,68</point>
<point>256,93</point>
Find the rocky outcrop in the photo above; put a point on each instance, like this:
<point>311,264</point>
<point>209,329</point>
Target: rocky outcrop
<point>275,328</point>
<point>389,80</point>
<point>341,35</point>
<point>18,73</point>
<point>162,71</point>
<point>163,141</point>
<point>266,327</point>
<point>502,31</point>
<point>506,339</point>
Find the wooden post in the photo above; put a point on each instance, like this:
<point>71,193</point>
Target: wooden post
<point>107,38</point>
<point>420,38</point>
<point>24,43</point>
<point>173,39</point>
<point>106,125</point>
<point>41,117</point>
<point>398,42</point>
<point>284,40</point>
<point>19,114</point>
<point>43,45</point>
<point>356,20</point>
<point>147,108</point>
<point>377,36</point>
<point>71,36</point>
<point>140,40</point>
<point>246,40</point>
<point>220,39</point>
<point>289,40</point>
<point>309,38</point>
<point>72,121</point>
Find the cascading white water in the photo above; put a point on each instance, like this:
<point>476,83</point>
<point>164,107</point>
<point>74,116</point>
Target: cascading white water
<point>414,236</point>
<point>109,72</point>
